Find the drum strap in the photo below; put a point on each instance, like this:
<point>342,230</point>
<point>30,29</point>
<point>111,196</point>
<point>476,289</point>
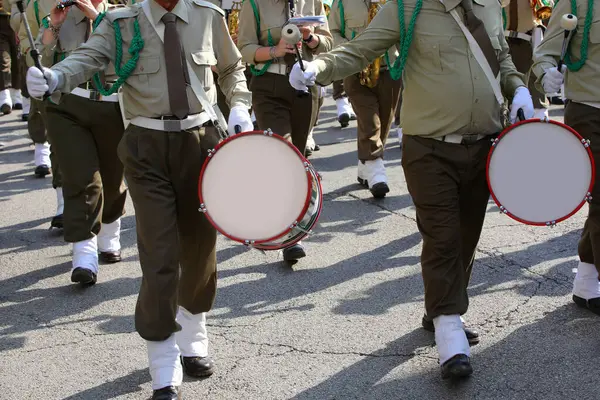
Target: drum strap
<point>213,111</point>
<point>479,56</point>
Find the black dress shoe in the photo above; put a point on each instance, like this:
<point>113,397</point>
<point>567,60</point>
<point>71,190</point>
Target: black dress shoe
<point>457,367</point>
<point>57,222</point>
<point>24,117</point>
<point>344,119</point>
<point>592,304</point>
<point>294,253</point>
<point>198,367</point>
<point>379,190</point>
<point>6,109</point>
<point>109,257</point>
<point>167,393</point>
<point>308,152</point>
<point>17,106</point>
<point>317,147</point>
<point>41,171</point>
<point>83,276</point>
<point>472,335</point>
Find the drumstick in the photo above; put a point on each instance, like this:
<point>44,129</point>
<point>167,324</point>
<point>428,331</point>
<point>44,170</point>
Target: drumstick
<point>33,52</point>
<point>569,23</point>
<point>292,35</point>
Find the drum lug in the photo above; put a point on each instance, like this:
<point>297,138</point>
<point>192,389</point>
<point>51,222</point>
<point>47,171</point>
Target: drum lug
<point>202,208</point>
<point>268,132</point>
<point>588,197</point>
<point>551,224</point>
<point>503,210</point>
<point>585,142</point>
<point>294,224</point>
<point>545,119</point>
<point>494,141</point>
<point>211,152</point>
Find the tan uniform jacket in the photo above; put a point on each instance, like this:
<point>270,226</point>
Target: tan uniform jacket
<point>525,20</point>
<point>356,16</point>
<point>444,89</point>
<point>582,85</point>
<point>205,41</point>
<point>273,16</point>
<point>36,20</point>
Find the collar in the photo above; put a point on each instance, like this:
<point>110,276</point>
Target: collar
<point>451,4</point>
<point>157,11</point>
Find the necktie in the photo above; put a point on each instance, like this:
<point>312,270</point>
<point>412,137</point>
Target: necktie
<point>175,68</point>
<point>478,31</point>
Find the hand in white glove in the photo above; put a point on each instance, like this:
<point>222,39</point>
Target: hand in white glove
<point>553,79</point>
<point>39,83</point>
<point>522,99</point>
<point>300,80</point>
<point>239,116</point>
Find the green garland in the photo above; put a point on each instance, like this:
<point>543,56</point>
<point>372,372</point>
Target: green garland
<point>137,44</point>
<point>253,69</point>
<point>406,37</point>
<point>576,66</point>
<point>504,18</point>
<point>343,21</point>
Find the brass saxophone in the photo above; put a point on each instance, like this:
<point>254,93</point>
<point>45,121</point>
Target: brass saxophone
<point>542,9</point>
<point>233,18</point>
<point>370,75</point>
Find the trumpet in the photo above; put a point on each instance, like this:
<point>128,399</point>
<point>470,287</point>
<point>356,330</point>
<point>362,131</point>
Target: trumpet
<point>370,75</point>
<point>542,9</point>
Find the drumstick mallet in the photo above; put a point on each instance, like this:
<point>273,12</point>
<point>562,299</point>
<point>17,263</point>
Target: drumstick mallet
<point>569,23</point>
<point>35,55</point>
<point>291,35</point>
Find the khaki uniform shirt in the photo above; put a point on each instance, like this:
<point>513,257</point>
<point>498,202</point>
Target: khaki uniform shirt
<point>273,16</point>
<point>582,85</point>
<point>525,20</point>
<point>444,88</point>
<point>356,16</point>
<point>205,40</point>
<point>35,23</point>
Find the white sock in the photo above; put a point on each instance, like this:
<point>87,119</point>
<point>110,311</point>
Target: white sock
<point>60,201</point>
<point>164,364</point>
<point>42,154</point>
<point>85,254</point>
<point>5,97</point>
<point>450,337</point>
<point>15,95</point>
<point>26,106</point>
<point>109,236</point>
<point>192,339</point>
<point>586,284</point>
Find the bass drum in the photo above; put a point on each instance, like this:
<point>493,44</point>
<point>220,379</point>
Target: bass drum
<point>540,172</point>
<point>257,189</point>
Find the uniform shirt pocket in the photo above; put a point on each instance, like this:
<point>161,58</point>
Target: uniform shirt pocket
<point>432,55</point>
<point>595,32</point>
<point>145,71</point>
<point>203,61</point>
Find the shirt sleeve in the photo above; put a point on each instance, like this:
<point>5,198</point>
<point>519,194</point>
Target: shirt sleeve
<point>547,54</point>
<point>382,33</point>
<point>247,40</point>
<point>322,31</point>
<point>335,24</point>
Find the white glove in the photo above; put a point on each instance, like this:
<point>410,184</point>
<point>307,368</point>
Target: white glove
<point>239,115</point>
<point>300,80</point>
<point>522,99</point>
<point>553,79</point>
<point>38,84</point>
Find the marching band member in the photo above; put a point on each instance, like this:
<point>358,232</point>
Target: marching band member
<point>85,128</point>
<point>451,109</point>
<point>10,80</point>
<point>163,150</point>
<point>374,102</point>
<point>580,71</point>
<point>276,103</point>
<point>524,32</point>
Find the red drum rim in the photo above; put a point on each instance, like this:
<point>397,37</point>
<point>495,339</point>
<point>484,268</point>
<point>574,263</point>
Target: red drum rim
<point>549,121</point>
<point>263,243</point>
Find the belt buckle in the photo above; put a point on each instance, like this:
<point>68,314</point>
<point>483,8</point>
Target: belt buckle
<point>513,34</point>
<point>172,125</point>
<point>469,139</point>
<point>95,95</point>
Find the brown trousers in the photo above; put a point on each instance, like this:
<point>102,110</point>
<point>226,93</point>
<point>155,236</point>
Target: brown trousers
<point>586,121</point>
<point>522,56</point>
<point>84,136</point>
<point>176,243</point>
<point>398,107</point>
<point>10,68</point>
<point>375,109</point>
<point>278,107</point>
<point>338,90</point>
<point>448,186</point>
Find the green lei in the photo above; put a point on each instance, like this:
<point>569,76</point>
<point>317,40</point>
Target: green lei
<point>137,44</point>
<point>343,21</point>
<point>253,69</point>
<point>406,37</point>
<point>576,66</point>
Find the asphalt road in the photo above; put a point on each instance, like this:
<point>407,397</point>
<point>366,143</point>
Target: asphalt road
<point>344,323</point>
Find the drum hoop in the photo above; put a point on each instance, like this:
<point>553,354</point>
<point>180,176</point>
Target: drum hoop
<point>549,121</point>
<point>307,166</point>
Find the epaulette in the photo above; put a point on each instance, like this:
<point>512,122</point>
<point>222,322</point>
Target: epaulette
<point>122,12</point>
<point>208,4</point>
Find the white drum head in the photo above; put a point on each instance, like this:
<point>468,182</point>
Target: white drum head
<point>540,172</point>
<point>254,187</point>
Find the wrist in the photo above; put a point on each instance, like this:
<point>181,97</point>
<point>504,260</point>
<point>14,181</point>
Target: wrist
<point>272,52</point>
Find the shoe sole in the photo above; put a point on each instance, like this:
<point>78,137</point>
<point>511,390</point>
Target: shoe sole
<point>379,190</point>
<point>458,372</point>
<point>204,374</point>
<point>344,120</point>
<point>582,303</point>
<point>294,255</point>
<point>109,260</point>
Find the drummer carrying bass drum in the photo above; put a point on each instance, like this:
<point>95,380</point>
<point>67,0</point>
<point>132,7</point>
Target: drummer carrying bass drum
<point>582,113</point>
<point>278,106</point>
